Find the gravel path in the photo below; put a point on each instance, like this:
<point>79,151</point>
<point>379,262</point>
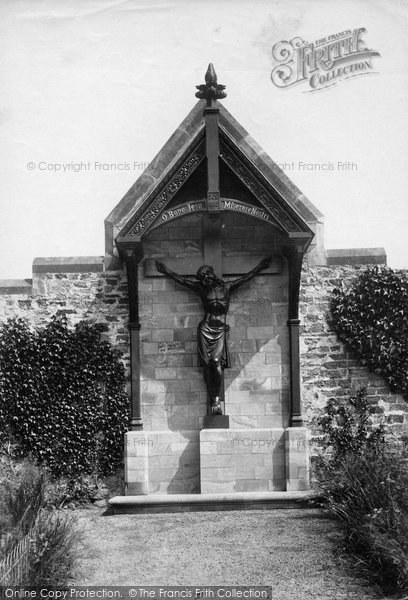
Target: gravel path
<point>291,550</point>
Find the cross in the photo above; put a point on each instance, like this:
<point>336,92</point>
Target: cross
<point>212,91</point>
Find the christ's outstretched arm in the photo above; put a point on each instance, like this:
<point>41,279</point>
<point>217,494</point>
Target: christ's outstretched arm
<point>264,264</point>
<point>188,283</point>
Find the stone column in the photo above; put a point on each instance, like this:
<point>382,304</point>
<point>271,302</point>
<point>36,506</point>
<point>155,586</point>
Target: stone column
<point>295,257</point>
<point>295,409</point>
<point>132,259</point>
<point>296,435</point>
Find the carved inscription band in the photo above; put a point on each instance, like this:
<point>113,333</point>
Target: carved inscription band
<point>187,208</point>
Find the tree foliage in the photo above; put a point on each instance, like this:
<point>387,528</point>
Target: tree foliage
<point>62,396</point>
<point>372,319</point>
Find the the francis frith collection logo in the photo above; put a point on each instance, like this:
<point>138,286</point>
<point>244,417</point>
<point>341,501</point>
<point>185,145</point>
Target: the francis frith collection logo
<point>323,63</point>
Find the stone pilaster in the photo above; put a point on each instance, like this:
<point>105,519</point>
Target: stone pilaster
<point>295,258</point>
<point>132,259</point>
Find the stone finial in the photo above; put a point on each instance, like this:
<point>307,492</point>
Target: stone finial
<point>211,90</point>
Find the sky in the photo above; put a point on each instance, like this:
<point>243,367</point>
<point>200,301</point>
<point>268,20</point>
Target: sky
<point>89,87</point>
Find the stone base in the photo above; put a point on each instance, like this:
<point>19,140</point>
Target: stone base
<point>162,462</point>
<point>242,460</point>
<point>216,461</point>
<point>160,503</point>
<point>253,460</point>
<point>216,422</point>
<point>297,459</point>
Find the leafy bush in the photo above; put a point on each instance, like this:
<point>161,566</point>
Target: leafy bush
<point>372,319</point>
<point>365,483</point>
<point>62,396</point>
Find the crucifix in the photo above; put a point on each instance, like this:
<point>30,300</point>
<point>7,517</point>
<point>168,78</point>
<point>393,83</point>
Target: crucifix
<point>213,291</point>
<point>212,346</point>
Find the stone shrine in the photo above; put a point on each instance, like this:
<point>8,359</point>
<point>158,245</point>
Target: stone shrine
<point>213,197</point>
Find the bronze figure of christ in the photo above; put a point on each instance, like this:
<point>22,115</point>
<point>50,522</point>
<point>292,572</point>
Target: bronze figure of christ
<point>212,345</point>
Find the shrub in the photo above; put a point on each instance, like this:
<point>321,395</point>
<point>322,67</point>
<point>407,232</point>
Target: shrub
<point>23,495</point>
<point>53,553</point>
<point>372,319</point>
<point>365,483</point>
<point>62,396</point>
<point>38,543</point>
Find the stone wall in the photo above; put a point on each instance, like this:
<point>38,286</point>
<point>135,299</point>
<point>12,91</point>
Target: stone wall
<point>173,392</point>
<point>327,369</point>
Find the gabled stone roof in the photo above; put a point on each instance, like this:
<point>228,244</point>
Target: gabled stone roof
<point>176,147</point>
<point>269,169</point>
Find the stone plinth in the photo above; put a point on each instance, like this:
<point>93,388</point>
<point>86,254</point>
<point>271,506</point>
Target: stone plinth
<point>297,459</point>
<point>244,460</point>
<point>216,422</point>
<point>162,462</point>
<point>197,502</point>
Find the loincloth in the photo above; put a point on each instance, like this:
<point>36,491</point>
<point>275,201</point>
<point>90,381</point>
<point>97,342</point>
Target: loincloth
<point>212,344</point>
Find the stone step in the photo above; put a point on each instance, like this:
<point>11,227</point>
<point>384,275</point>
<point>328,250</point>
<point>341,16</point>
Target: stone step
<point>157,503</point>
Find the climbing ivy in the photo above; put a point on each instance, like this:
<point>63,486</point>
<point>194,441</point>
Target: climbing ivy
<point>62,397</point>
<point>372,319</point>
